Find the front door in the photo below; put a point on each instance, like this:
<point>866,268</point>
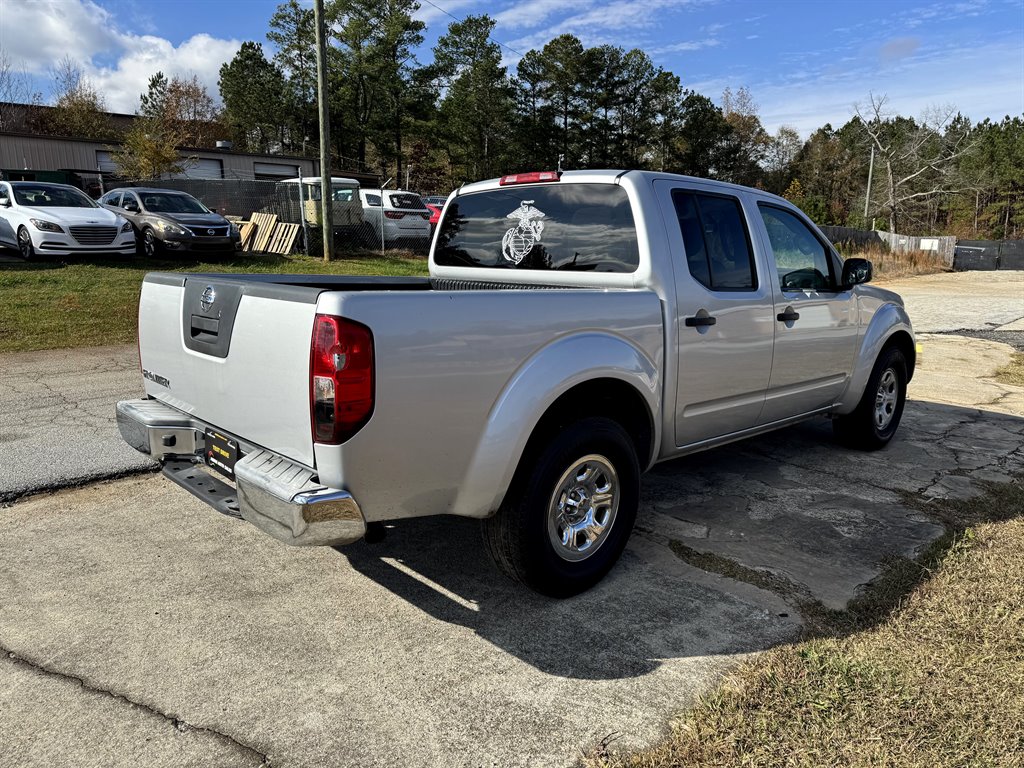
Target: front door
<point>815,321</point>
<point>724,323</point>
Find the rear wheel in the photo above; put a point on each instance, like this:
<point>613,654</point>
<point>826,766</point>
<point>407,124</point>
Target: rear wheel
<point>25,247</point>
<point>567,518</point>
<point>874,422</point>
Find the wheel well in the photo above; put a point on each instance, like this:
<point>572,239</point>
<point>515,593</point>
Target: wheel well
<point>611,398</point>
<point>902,341</point>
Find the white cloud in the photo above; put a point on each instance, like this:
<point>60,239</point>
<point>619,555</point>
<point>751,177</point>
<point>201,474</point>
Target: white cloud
<point>982,81</point>
<point>530,14</point>
<point>89,34</point>
<point>686,45</point>
<point>36,34</point>
<point>201,55</point>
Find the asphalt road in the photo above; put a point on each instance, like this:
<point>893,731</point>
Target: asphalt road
<point>139,627</point>
<point>57,418</point>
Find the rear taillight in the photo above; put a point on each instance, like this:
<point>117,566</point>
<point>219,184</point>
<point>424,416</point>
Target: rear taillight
<point>394,214</point>
<point>340,378</point>
<point>529,178</point>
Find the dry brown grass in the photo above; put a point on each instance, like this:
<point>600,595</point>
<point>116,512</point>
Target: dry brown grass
<point>1013,373</point>
<point>936,682</point>
<point>889,265</point>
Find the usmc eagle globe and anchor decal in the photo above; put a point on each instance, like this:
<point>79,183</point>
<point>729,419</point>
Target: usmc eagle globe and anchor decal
<point>520,239</point>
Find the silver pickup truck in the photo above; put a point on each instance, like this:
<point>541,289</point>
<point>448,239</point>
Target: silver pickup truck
<point>575,329</point>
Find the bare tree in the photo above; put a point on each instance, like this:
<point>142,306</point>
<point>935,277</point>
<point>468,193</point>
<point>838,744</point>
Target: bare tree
<point>79,109</point>
<point>17,99</point>
<point>917,159</point>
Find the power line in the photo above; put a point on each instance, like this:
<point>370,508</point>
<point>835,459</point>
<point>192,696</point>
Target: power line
<point>446,13</point>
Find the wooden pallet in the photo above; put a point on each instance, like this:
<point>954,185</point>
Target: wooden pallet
<point>248,232</point>
<point>284,239</point>
<point>265,223</point>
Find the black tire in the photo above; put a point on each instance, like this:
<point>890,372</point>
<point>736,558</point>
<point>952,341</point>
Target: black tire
<point>151,246</point>
<point>877,417</point>
<point>25,247</point>
<point>517,537</point>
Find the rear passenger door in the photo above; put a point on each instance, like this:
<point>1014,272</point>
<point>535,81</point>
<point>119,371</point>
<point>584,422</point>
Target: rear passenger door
<point>815,321</point>
<point>724,324</point>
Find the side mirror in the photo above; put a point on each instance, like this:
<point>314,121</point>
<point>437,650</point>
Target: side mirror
<point>855,272</point>
<point>5,202</point>
<point>131,207</point>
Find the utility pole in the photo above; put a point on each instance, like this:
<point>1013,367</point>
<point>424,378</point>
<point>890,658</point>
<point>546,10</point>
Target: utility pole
<point>326,193</point>
<point>867,195</point>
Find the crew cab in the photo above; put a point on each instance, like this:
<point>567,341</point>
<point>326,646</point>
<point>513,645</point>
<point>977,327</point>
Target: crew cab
<point>575,329</point>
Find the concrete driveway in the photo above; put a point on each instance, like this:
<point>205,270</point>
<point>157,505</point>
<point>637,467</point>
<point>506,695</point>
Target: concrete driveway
<point>138,626</point>
<point>56,418</point>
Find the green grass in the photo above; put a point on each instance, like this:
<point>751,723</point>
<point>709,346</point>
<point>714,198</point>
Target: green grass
<point>79,304</point>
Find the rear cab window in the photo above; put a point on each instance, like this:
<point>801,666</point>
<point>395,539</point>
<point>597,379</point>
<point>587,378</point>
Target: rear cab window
<point>405,201</point>
<point>554,227</point>
<point>718,250</point>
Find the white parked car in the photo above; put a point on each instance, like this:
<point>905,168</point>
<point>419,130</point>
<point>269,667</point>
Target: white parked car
<point>39,219</point>
<point>406,219</point>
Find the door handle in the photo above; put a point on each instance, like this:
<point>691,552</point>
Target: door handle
<point>700,322</point>
<point>788,316</point>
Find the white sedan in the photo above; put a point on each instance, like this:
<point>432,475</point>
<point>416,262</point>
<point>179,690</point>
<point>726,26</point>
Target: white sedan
<point>59,220</point>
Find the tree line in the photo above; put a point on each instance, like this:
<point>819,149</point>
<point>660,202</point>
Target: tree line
<point>465,116</point>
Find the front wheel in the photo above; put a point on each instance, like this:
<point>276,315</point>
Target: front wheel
<point>874,422</point>
<point>150,244</point>
<point>568,516</point>
<point>25,247</point>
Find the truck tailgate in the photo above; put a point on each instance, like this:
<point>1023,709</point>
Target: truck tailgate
<point>232,353</point>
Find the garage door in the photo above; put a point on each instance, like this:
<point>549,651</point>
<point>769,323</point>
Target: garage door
<point>204,168</point>
<point>104,162</point>
<point>274,171</point>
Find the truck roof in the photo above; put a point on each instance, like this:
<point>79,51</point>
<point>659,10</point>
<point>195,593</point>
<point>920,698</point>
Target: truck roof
<point>612,176</point>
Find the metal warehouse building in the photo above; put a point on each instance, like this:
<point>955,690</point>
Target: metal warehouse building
<point>83,162</point>
<point>24,153</point>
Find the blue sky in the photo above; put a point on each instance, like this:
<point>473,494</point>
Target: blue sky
<point>806,62</point>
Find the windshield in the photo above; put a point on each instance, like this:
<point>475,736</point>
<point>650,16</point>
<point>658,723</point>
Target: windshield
<point>311,191</point>
<point>157,202</point>
<point>51,196</point>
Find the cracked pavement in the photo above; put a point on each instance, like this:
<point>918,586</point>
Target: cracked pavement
<point>138,626</point>
<point>57,424</point>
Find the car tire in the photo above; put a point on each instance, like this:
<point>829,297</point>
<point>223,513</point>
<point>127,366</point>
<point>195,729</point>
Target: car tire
<point>151,247</point>
<point>25,246</point>
<point>548,533</point>
<point>877,416</point>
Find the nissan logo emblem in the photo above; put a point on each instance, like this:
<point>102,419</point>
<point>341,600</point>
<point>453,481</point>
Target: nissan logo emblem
<point>210,231</point>
<point>206,300</point>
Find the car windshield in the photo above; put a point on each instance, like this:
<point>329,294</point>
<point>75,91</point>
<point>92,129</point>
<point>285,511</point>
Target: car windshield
<point>51,196</point>
<point>157,202</point>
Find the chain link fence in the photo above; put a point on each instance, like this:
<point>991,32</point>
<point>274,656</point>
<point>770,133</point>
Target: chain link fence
<point>357,226</point>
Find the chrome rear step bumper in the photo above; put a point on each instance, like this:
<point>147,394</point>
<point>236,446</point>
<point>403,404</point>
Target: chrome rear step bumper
<point>278,496</point>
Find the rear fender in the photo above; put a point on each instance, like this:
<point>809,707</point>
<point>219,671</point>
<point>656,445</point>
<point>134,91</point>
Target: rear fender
<point>887,321</point>
<point>536,385</point>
